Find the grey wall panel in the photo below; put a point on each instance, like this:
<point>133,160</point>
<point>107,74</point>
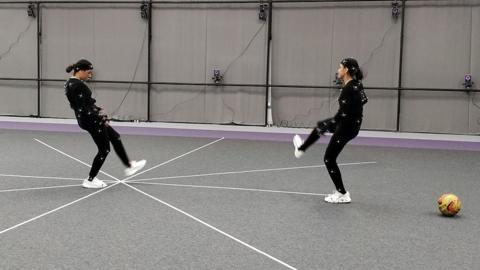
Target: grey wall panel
<point>438,112</point>
<point>302,45</point>
<point>236,44</point>
<point>64,40</point>
<point>18,59</point>
<point>301,54</point>
<point>235,105</point>
<point>301,107</point>
<point>53,102</point>
<point>111,38</point>
<point>236,40</point>
<point>433,58</point>
<point>178,103</point>
<point>189,43</point>
<point>381,110</point>
<point>18,98</point>
<point>178,44</point>
<point>133,106</point>
<point>474,113</point>
<point>18,43</point>
<point>178,55</point>
<point>474,105</point>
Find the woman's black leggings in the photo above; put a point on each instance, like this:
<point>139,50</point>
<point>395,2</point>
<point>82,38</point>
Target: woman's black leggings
<point>103,135</point>
<point>342,133</point>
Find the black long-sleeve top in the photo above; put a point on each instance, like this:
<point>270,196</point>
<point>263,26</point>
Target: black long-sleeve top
<point>82,103</point>
<point>351,101</point>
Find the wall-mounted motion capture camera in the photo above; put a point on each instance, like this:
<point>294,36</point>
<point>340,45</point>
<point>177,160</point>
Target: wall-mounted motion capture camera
<point>395,9</point>
<point>31,10</point>
<point>262,13</point>
<point>144,11</point>
<point>217,76</point>
<point>468,83</point>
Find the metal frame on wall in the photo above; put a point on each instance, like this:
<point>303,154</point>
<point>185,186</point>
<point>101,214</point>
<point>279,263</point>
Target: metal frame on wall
<point>267,85</point>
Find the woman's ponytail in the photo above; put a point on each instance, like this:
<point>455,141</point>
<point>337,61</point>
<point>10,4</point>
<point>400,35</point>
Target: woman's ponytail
<point>70,68</point>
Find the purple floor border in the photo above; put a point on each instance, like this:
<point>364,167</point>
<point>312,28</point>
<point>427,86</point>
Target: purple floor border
<point>243,135</point>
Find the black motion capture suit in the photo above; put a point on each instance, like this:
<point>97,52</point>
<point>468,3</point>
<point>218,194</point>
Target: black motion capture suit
<point>89,119</point>
<point>345,126</point>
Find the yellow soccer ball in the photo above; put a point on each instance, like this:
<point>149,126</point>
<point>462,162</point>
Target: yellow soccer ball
<point>449,204</point>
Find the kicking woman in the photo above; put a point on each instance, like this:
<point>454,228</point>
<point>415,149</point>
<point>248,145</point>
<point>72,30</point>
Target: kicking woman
<point>91,119</point>
<point>345,126</point>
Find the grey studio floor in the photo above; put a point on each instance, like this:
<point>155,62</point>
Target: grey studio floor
<point>206,203</point>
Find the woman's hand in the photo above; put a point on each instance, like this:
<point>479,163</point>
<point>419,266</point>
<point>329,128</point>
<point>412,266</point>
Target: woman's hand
<point>104,118</point>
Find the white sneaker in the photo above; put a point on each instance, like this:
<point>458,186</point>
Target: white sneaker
<point>95,183</point>
<point>135,166</point>
<point>297,142</point>
<point>337,197</point>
